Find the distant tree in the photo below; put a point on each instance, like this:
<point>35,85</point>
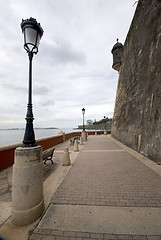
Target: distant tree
<point>103,120</point>
<point>89,122</point>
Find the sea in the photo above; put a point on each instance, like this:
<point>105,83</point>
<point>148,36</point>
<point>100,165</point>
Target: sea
<point>10,136</point>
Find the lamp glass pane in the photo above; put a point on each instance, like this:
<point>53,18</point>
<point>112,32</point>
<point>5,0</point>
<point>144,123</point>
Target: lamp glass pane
<point>30,37</point>
<point>38,41</point>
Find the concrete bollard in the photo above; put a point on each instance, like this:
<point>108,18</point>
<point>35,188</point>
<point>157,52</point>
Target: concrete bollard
<point>81,140</point>
<point>105,132</point>
<point>66,157</point>
<point>84,136</point>
<point>76,148</point>
<point>63,133</point>
<point>63,136</point>
<point>27,189</point>
<point>95,132</point>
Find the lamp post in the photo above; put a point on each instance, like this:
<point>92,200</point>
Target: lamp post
<point>32,34</point>
<point>105,122</point>
<point>84,134</point>
<point>83,112</point>
<point>105,130</point>
<point>27,191</point>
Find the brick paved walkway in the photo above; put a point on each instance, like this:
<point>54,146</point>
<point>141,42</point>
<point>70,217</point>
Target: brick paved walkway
<point>50,234</point>
<point>104,174</point>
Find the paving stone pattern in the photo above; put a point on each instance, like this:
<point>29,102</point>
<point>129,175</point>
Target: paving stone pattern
<point>104,174</point>
<point>109,178</point>
<point>6,185</point>
<point>51,234</point>
<point>6,174</point>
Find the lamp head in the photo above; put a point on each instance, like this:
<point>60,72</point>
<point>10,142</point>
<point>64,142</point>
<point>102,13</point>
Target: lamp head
<point>32,34</point>
<point>83,110</point>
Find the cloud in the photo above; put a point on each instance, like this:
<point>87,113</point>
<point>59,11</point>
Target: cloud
<point>62,52</point>
<point>73,66</point>
<point>47,102</point>
<point>41,89</point>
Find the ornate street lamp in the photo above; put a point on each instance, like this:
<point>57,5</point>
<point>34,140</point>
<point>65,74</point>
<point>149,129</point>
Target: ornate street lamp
<point>84,134</point>
<point>83,112</point>
<point>32,34</point>
<point>105,130</point>
<point>105,122</point>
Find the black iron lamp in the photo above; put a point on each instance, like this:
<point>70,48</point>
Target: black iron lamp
<point>32,34</point>
<point>105,122</point>
<point>83,112</point>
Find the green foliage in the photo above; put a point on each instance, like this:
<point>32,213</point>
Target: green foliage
<point>89,122</point>
<point>103,120</point>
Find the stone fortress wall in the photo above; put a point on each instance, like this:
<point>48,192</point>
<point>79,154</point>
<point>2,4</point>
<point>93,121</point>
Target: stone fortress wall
<point>137,114</point>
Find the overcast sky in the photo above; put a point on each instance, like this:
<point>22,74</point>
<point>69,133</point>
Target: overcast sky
<point>72,69</point>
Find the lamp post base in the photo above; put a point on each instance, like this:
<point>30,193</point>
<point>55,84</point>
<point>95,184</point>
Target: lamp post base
<point>105,132</point>
<point>27,191</point>
<point>29,137</point>
<point>84,135</point>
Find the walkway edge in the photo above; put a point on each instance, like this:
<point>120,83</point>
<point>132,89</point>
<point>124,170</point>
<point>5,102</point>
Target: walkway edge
<point>148,162</point>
